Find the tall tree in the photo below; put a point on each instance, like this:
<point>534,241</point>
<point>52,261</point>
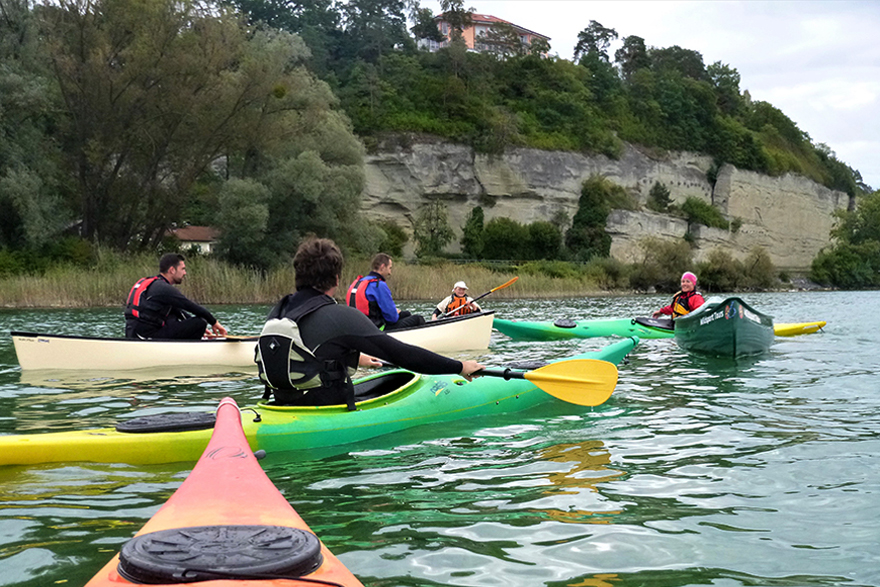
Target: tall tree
<point>156,92</point>
<point>31,179</point>
<point>595,40</point>
<point>632,56</point>
<point>374,27</point>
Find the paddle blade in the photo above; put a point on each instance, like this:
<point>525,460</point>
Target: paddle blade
<point>503,285</point>
<point>585,382</point>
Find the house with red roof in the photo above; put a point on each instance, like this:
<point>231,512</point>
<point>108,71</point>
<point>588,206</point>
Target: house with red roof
<point>481,23</point>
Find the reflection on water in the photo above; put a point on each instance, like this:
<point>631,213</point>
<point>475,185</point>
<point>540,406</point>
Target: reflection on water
<point>698,471</point>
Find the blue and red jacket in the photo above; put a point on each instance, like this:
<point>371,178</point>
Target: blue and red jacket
<point>371,295</point>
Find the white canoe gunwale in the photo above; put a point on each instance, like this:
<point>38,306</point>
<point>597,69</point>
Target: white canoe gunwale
<point>40,351</point>
<point>470,332</point>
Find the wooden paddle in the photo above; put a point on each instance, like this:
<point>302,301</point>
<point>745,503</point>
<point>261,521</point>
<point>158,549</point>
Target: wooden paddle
<point>502,286</point>
<point>583,382</point>
<point>240,337</point>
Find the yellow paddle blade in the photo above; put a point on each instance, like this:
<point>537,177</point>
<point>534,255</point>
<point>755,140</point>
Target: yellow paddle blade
<point>585,382</point>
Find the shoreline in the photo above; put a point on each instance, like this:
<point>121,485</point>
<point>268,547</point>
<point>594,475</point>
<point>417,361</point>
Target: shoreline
<point>212,283</point>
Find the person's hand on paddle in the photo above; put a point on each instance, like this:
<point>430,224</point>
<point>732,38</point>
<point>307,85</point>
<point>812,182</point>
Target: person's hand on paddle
<point>368,361</point>
<point>470,369</point>
<point>218,330</point>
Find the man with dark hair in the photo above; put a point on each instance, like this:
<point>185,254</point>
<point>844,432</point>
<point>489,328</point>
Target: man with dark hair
<point>371,295</point>
<point>156,309</point>
<point>340,337</point>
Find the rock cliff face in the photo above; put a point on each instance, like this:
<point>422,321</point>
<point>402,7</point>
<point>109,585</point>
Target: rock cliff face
<point>789,216</point>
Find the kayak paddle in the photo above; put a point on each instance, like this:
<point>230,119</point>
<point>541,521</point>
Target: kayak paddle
<point>584,382</point>
<point>502,286</point>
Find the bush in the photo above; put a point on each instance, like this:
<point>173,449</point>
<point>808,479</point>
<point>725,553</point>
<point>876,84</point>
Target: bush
<point>758,270</point>
<point>720,272</point>
<point>699,212</point>
<point>662,265</point>
<point>545,240</point>
<point>394,237</point>
<point>848,266</point>
<point>659,198</point>
<point>505,239</point>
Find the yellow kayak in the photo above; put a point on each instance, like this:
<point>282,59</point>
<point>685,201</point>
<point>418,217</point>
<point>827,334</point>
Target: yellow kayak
<point>798,328</point>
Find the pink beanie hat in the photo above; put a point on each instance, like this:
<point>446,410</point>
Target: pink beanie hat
<point>690,277</point>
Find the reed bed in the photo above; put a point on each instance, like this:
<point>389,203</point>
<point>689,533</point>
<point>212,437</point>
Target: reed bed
<point>212,282</point>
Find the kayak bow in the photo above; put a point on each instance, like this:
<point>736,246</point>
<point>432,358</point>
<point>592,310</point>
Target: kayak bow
<point>227,525</point>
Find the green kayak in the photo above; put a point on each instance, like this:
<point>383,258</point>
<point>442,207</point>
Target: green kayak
<point>562,329</point>
<point>387,402</point>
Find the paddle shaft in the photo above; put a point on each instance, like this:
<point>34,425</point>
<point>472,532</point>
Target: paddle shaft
<point>480,297</point>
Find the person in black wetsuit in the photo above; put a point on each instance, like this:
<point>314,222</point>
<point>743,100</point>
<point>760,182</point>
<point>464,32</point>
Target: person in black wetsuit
<point>157,309</point>
<point>341,335</point>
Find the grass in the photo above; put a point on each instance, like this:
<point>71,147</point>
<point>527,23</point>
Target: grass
<point>209,281</point>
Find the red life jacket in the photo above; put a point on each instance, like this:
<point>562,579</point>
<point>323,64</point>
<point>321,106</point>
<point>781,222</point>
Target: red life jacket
<point>138,307</point>
<point>357,298</point>
<point>458,302</point>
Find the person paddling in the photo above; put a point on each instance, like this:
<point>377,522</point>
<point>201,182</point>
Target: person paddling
<point>685,301</point>
<point>157,309</point>
<point>456,304</point>
<point>337,339</point>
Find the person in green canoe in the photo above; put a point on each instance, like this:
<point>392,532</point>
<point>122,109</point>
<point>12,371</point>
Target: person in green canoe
<point>312,362</point>
<point>685,301</point>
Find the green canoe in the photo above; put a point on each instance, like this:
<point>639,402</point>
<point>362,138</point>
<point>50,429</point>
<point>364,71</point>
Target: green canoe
<point>562,329</point>
<point>388,402</point>
<point>725,328</point>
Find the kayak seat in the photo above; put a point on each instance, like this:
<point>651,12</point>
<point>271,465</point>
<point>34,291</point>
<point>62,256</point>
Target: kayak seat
<point>381,385</point>
<point>173,422</point>
<point>565,323</point>
<point>665,323</point>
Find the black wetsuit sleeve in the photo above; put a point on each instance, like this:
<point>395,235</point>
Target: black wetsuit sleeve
<point>166,294</point>
<point>404,355</point>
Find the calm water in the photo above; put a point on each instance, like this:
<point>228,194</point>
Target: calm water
<point>696,472</point>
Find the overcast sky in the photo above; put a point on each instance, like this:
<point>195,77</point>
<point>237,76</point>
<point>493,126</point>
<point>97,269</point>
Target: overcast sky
<point>816,60</point>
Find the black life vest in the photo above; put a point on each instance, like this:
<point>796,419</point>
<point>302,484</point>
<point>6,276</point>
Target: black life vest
<point>288,368</point>
<point>681,303</point>
<point>357,298</point>
<point>138,306</point>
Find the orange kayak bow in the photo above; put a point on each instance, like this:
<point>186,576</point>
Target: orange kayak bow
<point>226,526</point>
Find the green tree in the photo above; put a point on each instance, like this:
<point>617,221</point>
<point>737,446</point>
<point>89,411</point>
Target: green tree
<point>545,240</point>
<point>32,182</point>
<point>505,239</point>
<point>431,231</point>
<point>595,39</point>
<point>587,237</point>
<point>472,234</point>
<point>373,28</point>
<point>425,26</point>
<point>659,198</point>
<point>632,56</point>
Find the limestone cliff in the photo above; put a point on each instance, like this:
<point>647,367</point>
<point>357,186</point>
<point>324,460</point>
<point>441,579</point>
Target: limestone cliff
<point>790,216</point>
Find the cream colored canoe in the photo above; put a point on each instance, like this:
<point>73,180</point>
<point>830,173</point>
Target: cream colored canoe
<point>52,351</point>
<point>451,335</point>
<point>80,353</point>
